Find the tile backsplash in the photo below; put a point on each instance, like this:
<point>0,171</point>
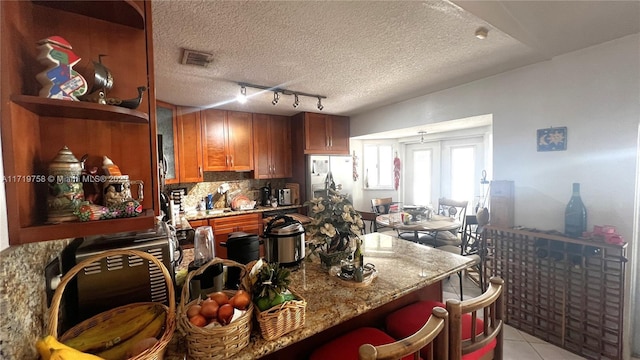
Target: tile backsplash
<point>239,183</point>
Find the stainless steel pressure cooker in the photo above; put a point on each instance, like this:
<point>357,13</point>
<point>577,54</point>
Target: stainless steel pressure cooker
<point>284,241</point>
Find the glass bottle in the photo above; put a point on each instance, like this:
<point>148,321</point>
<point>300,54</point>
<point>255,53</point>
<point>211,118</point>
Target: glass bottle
<point>358,263</point>
<point>357,255</point>
<point>575,215</point>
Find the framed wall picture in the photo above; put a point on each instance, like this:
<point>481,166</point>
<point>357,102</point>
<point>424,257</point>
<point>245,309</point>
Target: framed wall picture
<point>552,139</point>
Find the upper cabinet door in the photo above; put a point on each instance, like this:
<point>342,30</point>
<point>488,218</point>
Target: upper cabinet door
<point>315,133</point>
<point>240,141</point>
<point>261,146</point>
<point>338,134</point>
<point>190,145</point>
<point>168,128</point>
<point>280,139</point>
<point>271,146</point>
<point>214,139</point>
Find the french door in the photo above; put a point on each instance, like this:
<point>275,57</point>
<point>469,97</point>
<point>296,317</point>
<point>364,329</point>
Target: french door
<point>446,168</point>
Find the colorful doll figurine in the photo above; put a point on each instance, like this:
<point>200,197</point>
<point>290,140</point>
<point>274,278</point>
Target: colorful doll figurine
<point>59,80</point>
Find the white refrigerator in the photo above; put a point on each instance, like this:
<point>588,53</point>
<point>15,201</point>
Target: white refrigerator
<point>321,169</point>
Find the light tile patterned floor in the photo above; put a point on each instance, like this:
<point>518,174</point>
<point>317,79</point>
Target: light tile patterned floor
<point>518,345</point>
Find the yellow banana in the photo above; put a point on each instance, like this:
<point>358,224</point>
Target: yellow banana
<point>118,352</point>
<point>122,325</point>
<point>49,348</point>
<point>71,354</point>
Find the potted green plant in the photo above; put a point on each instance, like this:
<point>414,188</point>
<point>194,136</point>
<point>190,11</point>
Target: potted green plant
<point>334,228</point>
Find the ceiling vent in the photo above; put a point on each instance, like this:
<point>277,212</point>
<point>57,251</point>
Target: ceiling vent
<point>197,58</point>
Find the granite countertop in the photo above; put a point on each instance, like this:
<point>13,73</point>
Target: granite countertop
<point>402,266</point>
<point>209,214</point>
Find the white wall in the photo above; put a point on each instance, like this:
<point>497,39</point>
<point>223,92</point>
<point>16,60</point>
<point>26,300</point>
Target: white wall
<point>595,92</point>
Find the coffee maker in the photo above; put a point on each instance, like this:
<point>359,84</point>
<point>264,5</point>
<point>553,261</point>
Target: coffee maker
<point>265,195</point>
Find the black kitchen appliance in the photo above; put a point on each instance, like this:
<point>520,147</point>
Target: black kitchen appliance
<point>242,248</point>
<point>265,195</point>
<point>120,280</point>
<point>284,241</point>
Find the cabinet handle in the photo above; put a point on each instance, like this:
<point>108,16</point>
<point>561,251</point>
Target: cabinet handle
<point>231,159</point>
<point>273,169</point>
<point>200,170</point>
<point>331,141</point>
<point>326,141</point>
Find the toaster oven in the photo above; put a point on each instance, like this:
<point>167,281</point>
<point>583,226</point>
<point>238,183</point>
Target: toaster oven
<point>117,280</point>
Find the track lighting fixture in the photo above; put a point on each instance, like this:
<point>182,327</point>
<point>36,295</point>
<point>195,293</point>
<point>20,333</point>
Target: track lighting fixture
<point>277,91</point>
<point>422,132</point>
<point>242,98</point>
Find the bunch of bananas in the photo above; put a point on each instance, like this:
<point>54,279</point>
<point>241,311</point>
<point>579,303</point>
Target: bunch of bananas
<point>113,338</point>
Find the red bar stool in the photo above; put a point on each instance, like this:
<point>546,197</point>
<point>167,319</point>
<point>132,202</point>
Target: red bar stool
<point>478,339</point>
<point>369,343</point>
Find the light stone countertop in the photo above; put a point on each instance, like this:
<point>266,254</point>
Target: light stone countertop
<point>402,266</point>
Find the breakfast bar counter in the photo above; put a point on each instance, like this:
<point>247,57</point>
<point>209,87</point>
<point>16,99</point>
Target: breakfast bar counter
<point>406,272</point>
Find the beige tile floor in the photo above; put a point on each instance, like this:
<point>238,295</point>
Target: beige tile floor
<point>518,345</point>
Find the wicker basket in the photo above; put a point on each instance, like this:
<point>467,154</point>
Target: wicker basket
<point>282,319</point>
<point>155,352</point>
<point>219,342</point>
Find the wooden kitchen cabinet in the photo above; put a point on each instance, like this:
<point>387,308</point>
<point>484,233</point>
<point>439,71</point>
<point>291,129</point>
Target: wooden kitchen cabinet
<point>35,128</point>
<point>325,134</point>
<point>227,138</point>
<point>271,146</point>
<point>189,145</point>
<point>168,127</point>
<point>223,226</point>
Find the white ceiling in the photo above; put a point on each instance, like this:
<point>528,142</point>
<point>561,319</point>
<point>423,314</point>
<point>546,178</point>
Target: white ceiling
<point>363,54</point>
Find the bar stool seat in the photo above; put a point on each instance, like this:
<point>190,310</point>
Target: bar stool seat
<point>346,346</point>
<point>407,320</point>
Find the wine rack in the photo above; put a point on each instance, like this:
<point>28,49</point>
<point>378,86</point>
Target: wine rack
<point>568,292</point>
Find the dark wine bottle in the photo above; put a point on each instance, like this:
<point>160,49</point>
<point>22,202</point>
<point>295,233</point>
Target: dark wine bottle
<point>575,215</point>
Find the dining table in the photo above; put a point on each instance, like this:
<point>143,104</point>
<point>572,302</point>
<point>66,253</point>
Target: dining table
<point>433,225</point>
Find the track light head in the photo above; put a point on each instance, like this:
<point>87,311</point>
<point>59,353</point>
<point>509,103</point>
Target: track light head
<point>276,98</point>
<point>320,107</point>
<point>295,101</point>
<point>242,97</point>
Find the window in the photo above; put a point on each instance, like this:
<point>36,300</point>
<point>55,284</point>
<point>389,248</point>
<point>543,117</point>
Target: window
<point>378,166</point>
<point>463,177</point>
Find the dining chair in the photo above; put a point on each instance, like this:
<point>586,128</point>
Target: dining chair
<point>471,245</point>
<point>370,217</point>
<point>372,343</point>
<point>380,206</point>
<point>475,325</point>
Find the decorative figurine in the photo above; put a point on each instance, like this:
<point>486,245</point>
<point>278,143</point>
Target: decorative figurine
<point>59,80</point>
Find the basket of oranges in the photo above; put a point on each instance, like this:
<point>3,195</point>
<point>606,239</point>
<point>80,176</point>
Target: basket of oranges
<point>218,326</point>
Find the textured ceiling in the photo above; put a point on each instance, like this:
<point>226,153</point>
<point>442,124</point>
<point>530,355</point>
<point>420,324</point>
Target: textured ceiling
<point>363,54</point>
